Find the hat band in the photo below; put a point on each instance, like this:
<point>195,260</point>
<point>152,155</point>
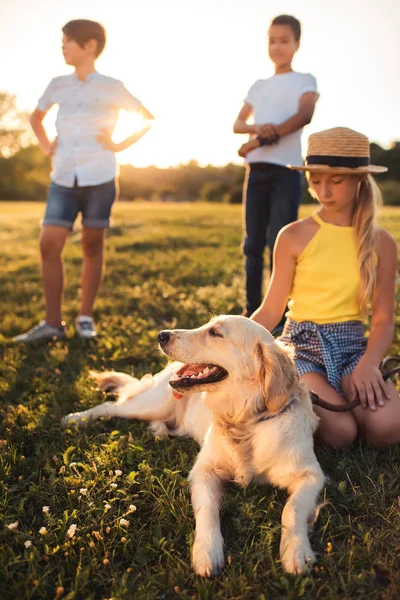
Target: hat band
<point>338,161</point>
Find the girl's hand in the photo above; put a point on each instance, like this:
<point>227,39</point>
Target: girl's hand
<point>105,140</point>
<point>367,382</point>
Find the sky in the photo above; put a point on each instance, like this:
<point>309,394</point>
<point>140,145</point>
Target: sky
<point>191,63</point>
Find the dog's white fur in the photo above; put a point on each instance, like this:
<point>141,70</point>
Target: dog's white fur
<point>225,419</point>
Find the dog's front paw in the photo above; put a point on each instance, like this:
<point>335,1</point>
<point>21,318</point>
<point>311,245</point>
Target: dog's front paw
<point>296,555</point>
<point>73,419</point>
<point>208,558</point>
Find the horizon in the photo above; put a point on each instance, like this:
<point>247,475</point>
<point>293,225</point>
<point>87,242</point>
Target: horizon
<point>192,66</point>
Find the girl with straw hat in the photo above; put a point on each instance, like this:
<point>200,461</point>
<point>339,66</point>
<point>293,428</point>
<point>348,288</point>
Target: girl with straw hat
<point>330,266</point>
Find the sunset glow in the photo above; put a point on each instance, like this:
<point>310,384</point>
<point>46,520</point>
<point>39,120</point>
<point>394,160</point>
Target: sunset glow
<point>191,64</point>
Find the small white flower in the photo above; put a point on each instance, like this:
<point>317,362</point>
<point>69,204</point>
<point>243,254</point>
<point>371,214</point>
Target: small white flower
<point>113,485</point>
<point>73,464</point>
<point>71,531</point>
<point>28,544</point>
<point>46,510</point>
<point>123,522</point>
<point>132,507</point>
<point>13,526</point>
<point>83,491</point>
<point>43,531</point>
<point>118,473</point>
<point>107,506</point>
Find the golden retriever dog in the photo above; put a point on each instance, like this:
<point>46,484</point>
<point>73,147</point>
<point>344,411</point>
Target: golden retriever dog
<point>235,390</point>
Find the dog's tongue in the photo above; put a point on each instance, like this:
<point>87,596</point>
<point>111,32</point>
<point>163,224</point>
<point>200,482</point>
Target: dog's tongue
<point>177,395</point>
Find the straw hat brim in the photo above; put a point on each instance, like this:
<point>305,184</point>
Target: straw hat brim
<point>339,170</point>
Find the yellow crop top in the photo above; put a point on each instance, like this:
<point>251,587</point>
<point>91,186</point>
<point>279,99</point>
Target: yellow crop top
<point>327,277</point>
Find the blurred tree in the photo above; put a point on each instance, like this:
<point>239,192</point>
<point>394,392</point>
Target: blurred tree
<point>15,131</point>
<point>213,191</point>
<point>25,175</point>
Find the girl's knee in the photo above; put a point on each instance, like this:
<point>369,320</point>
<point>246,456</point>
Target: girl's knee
<point>388,436</point>
<point>340,433</point>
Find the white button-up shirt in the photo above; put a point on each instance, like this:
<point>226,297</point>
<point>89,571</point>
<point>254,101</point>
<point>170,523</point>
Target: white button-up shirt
<point>85,107</point>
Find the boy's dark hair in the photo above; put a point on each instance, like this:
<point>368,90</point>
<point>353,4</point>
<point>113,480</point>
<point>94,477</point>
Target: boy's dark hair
<point>291,22</point>
<point>83,30</point>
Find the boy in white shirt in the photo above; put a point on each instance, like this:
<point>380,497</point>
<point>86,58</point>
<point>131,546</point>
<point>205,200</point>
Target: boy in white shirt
<point>84,171</point>
<point>281,106</point>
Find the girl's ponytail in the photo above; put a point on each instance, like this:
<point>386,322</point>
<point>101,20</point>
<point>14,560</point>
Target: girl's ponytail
<point>364,221</point>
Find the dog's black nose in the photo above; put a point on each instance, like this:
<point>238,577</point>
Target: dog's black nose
<point>164,337</point>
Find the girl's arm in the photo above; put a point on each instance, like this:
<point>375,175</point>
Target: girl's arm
<point>284,264</point>
<point>366,379</point>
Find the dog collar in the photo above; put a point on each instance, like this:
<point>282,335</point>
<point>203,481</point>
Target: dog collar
<point>281,412</point>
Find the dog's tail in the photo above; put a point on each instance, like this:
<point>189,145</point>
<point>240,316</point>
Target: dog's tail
<point>122,385</point>
<point>111,381</point>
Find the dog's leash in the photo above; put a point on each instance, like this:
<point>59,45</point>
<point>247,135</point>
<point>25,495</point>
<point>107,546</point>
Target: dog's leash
<point>315,399</point>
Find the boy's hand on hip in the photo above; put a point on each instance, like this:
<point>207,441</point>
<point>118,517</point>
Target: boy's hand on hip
<point>105,140</point>
<point>367,383</point>
<point>50,148</point>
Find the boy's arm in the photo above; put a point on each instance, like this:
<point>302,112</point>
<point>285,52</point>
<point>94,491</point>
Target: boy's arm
<point>36,121</point>
<point>104,137</point>
<point>297,121</point>
<point>241,125</point>
<point>302,117</point>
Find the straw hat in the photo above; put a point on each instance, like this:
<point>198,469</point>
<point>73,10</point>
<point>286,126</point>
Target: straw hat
<point>338,150</point>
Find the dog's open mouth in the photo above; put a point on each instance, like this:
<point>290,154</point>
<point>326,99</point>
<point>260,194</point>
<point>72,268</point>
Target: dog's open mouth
<point>190,375</point>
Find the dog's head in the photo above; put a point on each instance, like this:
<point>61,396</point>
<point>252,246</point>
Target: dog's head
<point>234,355</point>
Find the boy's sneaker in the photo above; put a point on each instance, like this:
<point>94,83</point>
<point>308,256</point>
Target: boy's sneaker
<point>85,327</point>
<point>43,332</point>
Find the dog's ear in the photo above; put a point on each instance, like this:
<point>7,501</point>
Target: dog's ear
<point>277,374</point>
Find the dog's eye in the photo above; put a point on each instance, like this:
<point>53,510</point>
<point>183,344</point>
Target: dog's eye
<point>214,333</point>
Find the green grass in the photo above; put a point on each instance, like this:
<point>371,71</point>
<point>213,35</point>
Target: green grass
<point>167,266</point>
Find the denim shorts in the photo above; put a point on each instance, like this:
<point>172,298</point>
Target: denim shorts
<point>93,201</point>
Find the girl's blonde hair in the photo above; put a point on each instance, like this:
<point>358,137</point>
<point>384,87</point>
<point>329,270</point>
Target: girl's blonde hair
<point>368,199</point>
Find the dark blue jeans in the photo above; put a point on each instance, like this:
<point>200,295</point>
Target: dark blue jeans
<point>272,196</point>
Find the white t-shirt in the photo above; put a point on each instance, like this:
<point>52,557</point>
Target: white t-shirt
<point>275,100</point>
<point>84,108</point>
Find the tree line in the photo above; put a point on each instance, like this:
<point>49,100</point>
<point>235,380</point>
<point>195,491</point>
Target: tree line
<point>25,171</point>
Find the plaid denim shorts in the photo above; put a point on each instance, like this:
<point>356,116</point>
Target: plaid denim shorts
<point>332,349</point>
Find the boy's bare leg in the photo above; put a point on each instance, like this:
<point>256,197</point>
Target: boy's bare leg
<point>52,240</point>
<point>93,251</point>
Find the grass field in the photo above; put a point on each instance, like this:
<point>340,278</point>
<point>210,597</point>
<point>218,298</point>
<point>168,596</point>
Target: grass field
<point>167,266</point>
